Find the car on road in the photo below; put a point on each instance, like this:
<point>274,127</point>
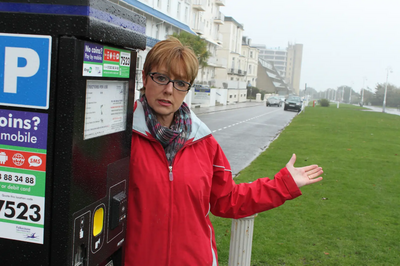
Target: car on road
<point>274,101</point>
<point>293,103</point>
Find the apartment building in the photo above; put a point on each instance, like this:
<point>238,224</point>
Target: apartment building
<point>287,61</point>
<point>270,80</point>
<point>163,18</point>
<point>250,53</point>
<point>206,21</point>
<point>293,66</point>
<point>233,76</point>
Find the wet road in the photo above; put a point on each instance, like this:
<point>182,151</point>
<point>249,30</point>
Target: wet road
<point>244,133</point>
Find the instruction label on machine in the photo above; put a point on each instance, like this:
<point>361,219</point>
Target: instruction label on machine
<point>104,61</point>
<point>23,144</point>
<point>106,105</point>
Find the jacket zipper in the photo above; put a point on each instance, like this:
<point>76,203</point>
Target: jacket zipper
<point>171,175</point>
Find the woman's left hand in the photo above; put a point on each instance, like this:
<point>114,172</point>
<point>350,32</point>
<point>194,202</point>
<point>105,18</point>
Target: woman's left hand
<point>304,175</point>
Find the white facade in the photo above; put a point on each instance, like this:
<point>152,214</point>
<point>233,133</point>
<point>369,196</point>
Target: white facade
<point>233,77</point>
<point>250,54</point>
<point>163,18</point>
<point>206,20</point>
<point>287,61</point>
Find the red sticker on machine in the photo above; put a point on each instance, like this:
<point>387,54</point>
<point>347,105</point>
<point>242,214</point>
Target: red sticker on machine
<point>23,160</point>
<point>111,55</point>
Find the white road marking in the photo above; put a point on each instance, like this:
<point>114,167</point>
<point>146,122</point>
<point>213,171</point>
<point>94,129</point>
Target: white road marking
<point>244,122</point>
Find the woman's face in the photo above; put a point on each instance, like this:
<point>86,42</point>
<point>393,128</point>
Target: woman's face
<point>165,100</point>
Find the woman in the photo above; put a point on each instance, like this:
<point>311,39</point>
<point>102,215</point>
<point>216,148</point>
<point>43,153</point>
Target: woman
<point>179,173</point>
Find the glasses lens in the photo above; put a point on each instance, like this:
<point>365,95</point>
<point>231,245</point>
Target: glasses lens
<point>164,80</point>
<point>181,85</point>
<point>160,79</point>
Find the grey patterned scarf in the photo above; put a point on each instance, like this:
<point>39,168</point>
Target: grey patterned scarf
<point>173,138</point>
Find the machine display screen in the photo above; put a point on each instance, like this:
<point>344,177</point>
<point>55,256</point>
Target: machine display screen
<point>105,108</point>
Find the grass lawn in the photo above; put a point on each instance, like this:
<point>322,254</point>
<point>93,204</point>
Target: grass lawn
<point>352,217</point>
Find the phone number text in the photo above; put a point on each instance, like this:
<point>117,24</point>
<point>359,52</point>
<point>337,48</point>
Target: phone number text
<point>17,178</point>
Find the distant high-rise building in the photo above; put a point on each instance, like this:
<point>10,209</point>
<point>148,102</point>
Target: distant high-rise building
<point>293,65</point>
<point>286,61</point>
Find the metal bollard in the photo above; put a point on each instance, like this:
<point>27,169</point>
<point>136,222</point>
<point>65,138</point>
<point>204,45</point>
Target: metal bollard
<point>241,241</point>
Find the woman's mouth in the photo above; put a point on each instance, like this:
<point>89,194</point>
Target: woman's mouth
<point>164,102</point>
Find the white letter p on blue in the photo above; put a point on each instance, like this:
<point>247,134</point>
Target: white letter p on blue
<point>11,69</point>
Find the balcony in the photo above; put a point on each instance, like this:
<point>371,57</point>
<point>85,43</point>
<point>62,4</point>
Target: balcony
<point>199,28</point>
<point>219,18</point>
<point>233,71</point>
<point>219,38</point>
<point>215,62</point>
<point>199,5</point>
<point>241,72</point>
<point>220,2</point>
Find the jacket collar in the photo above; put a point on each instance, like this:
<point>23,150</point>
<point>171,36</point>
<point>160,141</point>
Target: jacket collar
<point>199,129</point>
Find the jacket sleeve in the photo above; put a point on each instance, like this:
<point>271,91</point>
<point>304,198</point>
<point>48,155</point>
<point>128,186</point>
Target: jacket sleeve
<point>232,200</point>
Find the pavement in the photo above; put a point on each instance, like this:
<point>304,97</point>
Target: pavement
<point>212,109</point>
<point>392,111</point>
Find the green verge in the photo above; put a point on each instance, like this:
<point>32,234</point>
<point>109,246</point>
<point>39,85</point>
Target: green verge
<point>352,217</point>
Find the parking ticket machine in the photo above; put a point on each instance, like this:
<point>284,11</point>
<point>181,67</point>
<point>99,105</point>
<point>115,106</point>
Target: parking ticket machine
<point>67,77</point>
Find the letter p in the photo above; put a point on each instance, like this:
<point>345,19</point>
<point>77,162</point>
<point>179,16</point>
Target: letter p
<point>11,69</point>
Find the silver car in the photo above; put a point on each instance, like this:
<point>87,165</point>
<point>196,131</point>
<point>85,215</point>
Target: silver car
<point>274,101</point>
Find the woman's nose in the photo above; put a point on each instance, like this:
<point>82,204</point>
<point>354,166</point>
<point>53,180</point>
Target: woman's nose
<point>169,87</point>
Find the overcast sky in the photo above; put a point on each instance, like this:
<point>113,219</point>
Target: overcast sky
<point>344,41</point>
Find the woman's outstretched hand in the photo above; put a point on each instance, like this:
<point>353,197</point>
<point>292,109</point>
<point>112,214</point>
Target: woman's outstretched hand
<point>304,175</point>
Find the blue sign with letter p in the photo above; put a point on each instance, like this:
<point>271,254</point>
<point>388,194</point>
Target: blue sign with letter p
<point>25,62</point>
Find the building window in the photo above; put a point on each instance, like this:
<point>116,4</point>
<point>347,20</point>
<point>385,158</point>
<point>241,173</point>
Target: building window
<point>230,96</point>
<point>186,14</point>
<point>251,54</point>
<point>178,15</point>
<point>169,5</point>
<point>157,32</point>
<point>159,3</point>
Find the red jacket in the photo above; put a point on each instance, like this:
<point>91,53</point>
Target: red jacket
<point>168,223</point>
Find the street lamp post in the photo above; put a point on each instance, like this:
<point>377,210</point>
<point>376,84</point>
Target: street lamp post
<point>384,96</point>
<point>362,95</point>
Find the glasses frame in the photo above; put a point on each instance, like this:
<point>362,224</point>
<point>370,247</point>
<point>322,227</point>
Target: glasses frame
<point>169,80</point>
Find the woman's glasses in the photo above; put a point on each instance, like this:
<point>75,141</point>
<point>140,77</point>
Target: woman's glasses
<point>161,79</point>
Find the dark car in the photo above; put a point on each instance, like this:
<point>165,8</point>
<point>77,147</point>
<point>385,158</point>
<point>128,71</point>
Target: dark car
<point>274,101</point>
<point>293,103</point>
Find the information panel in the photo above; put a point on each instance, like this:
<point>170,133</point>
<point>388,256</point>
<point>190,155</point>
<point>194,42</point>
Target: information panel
<point>106,107</point>
<point>104,61</point>
<point>23,148</point>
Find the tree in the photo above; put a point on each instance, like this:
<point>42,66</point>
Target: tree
<point>308,91</point>
<point>252,92</point>
<point>198,45</point>
<point>392,95</point>
<point>344,93</point>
